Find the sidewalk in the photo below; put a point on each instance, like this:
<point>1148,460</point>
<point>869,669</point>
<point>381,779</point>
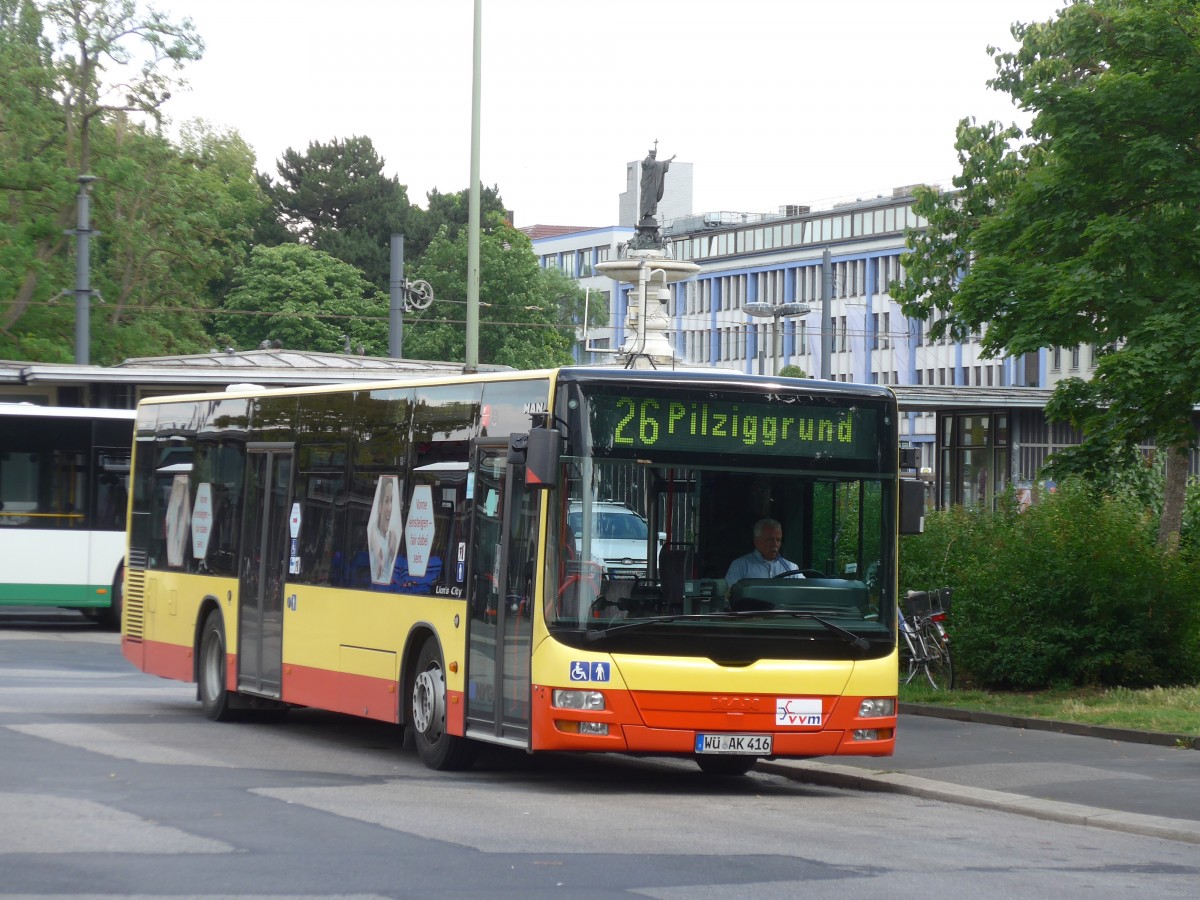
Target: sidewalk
<point>1100,777</point>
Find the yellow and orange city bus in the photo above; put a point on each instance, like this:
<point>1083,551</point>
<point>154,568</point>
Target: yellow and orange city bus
<point>531,559</point>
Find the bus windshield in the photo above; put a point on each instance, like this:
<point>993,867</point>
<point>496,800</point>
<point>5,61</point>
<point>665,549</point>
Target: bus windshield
<point>660,497</point>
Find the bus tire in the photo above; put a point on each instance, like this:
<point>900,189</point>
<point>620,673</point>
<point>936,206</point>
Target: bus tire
<point>210,673</point>
<point>427,704</point>
<point>725,765</point>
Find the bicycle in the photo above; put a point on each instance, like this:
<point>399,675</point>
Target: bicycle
<point>924,644</point>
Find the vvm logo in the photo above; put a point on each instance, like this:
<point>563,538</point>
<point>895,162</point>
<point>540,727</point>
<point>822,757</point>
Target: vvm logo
<point>799,712</point>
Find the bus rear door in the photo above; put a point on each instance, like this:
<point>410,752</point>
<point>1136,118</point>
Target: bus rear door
<point>266,547</point>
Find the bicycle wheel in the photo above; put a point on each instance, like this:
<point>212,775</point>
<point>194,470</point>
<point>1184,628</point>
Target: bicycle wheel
<point>938,665</point>
<point>910,653</point>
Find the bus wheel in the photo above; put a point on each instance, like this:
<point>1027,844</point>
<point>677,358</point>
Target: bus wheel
<point>214,698</point>
<point>725,765</point>
<point>437,749</point>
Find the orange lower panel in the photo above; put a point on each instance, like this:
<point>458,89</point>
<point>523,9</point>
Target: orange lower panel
<point>357,695</point>
<point>456,713</point>
<point>156,658</point>
<point>680,716</point>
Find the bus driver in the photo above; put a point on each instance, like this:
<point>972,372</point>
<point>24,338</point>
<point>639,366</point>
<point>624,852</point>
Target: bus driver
<point>764,561</point>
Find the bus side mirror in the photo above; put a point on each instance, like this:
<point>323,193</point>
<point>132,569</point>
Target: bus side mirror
<point>541,458</point>
<point>912,506</point>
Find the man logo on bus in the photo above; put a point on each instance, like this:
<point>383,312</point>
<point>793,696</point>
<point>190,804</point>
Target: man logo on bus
<point>798,712</point>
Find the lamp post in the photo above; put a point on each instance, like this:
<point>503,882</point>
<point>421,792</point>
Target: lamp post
<point>775,312</point>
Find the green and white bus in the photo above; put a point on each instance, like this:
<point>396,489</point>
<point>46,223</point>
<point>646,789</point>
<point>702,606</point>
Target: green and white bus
<point>64,479</point>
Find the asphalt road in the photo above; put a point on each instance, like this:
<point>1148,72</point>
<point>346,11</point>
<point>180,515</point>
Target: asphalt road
<point>113,784</point>
<point>1126,785</point>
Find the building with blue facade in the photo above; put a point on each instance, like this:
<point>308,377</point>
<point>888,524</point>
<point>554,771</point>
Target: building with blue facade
<point>978,422</point>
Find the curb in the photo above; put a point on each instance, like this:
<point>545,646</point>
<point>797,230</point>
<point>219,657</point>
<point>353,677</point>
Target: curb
<point>833,775</point>
<point>1157,738</point>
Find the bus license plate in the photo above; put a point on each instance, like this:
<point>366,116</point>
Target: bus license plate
<point>745,744</point>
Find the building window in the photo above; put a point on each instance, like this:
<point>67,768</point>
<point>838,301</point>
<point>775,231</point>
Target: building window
<point>974,460</point>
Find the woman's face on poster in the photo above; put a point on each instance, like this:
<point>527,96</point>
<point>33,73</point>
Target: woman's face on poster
<point>385,505</point>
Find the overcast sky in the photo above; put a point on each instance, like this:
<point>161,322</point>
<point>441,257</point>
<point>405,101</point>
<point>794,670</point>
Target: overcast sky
<point>773,101</point>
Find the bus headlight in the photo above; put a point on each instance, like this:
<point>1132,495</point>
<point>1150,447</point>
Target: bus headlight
<point>872,734</point>
<point>874,707</point>
<point>590,700</point>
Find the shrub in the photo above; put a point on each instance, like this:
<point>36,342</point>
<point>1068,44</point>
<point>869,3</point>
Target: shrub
<point>1072,591</point>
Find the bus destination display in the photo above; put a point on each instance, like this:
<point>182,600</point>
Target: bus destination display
<point>636,423</point>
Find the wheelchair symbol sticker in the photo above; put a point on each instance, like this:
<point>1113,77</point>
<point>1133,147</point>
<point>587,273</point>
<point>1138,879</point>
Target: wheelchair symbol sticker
<point>593,671</point>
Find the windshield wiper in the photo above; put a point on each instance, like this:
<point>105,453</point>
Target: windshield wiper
<point>596,634</point>
<point>859,643</point>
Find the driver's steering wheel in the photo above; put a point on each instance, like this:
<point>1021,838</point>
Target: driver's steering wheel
<point>807,573</point>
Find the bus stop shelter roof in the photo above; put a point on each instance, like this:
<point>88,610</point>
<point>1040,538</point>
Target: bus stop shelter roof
<point>928,397</point>
<point>267,367</point>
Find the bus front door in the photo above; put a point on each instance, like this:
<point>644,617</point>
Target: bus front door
<point>500,598</point>
<point>264,566</point>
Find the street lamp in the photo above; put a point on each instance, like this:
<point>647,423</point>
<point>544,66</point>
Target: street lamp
<point>775,311</point>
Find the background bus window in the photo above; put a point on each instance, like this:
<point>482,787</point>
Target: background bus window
<point>43,478</point>
<point>112,490</point>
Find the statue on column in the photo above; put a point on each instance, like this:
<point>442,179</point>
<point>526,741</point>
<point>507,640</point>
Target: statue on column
<point>654,176</point>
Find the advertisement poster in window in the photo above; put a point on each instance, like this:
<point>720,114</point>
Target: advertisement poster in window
<point>384,528</point>
<point>179,510</point>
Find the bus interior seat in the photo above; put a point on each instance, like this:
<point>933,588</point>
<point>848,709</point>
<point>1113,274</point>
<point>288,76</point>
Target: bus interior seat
<point>674,570</point>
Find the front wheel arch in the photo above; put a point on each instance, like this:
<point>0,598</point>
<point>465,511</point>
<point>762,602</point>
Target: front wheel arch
<point>426,712</point>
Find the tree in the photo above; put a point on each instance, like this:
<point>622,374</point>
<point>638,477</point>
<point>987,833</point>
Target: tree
<point>1085,228</point>
<point>527,314</point>
<point>172,222</point>
<point>36,185</point>
<point>453,211</point>
<point>306,300</point>
<point>336,198</point>
<point>99,34</point>
<point>62,117</point>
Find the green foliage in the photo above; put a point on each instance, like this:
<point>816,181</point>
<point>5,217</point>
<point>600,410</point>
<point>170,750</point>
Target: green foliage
<point>173,223</point>
<point>305,299</point>
<point>1072,591</point>
<point>170,220</point>
<point>453,211</point>
<point>527,313</point>
<point>792,372</point>
<point>336,198</point>
<point>1086,228</point>
<point>102,41</point>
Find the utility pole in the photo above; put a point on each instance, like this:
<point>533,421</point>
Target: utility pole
<point>827,315</point>
<point>83,264</point>
<point>471,354</point>
<point>396,300</point>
